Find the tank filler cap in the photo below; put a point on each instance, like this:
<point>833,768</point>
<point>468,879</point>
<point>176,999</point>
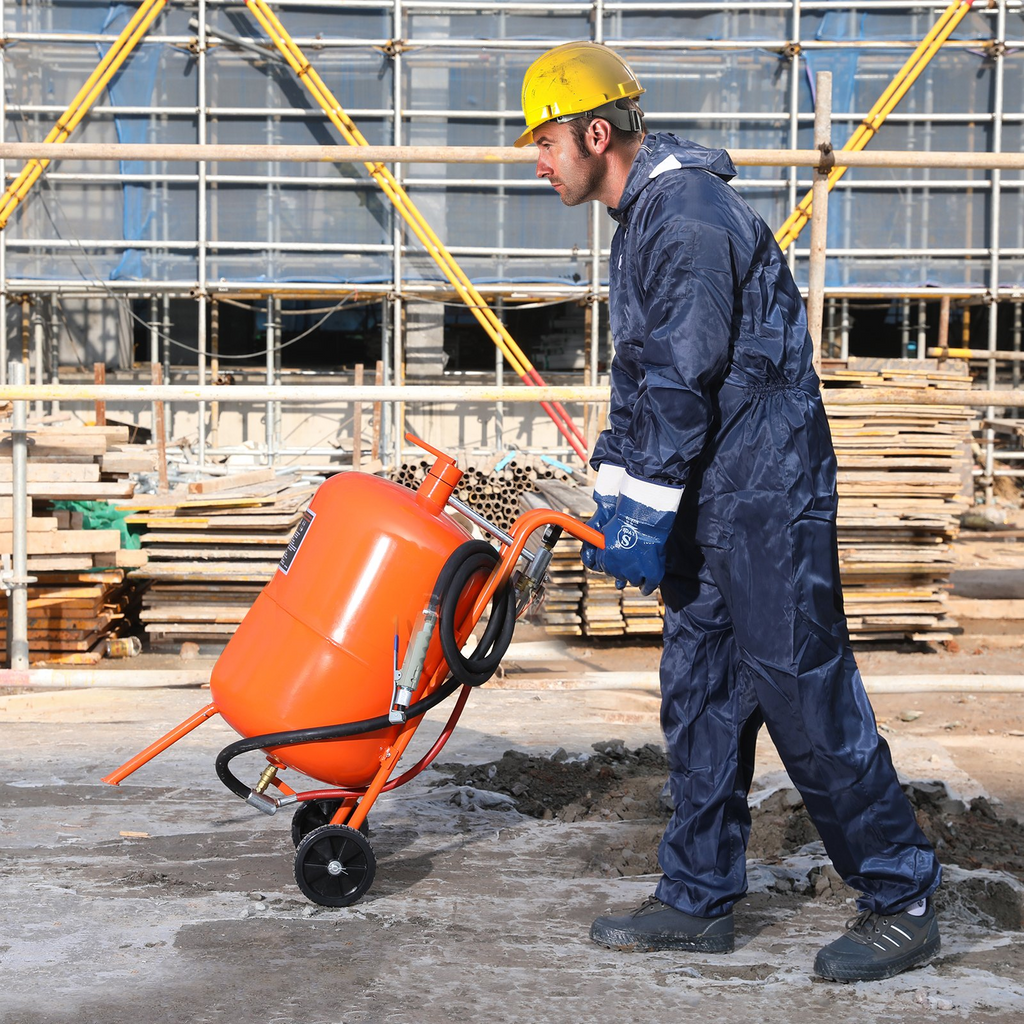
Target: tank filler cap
<point>442,477</point>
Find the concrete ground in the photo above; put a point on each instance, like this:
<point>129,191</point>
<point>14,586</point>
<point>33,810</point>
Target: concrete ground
<point>169,900</point>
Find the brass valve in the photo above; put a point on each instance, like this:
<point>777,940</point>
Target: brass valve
<point>268,776</point>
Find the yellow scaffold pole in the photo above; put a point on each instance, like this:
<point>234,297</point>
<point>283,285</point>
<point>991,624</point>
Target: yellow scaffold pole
<point>112,60</point>
<point>476,303</point>
<point>895,91</point>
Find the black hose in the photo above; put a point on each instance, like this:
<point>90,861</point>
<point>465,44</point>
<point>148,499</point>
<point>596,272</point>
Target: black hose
<point>319,734</point>
<point>477,668</point>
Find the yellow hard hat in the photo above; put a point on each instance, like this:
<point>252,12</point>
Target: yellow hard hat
<point>575,79</point>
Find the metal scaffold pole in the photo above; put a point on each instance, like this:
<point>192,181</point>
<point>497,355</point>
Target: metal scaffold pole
<point>994,240</point>
<point>819,222</point>
<point>18,580</point>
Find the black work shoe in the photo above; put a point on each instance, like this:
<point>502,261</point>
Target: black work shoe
<point>877,946</point>
<point>655,925</point>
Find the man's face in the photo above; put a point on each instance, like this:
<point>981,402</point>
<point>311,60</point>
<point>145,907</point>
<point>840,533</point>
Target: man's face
<point>573,176</point>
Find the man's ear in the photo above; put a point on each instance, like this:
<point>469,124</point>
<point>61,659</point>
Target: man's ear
<point>599,136</point>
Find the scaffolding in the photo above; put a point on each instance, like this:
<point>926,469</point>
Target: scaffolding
<point>129,238</point>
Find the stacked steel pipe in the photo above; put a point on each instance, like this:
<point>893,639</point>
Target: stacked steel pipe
<point>492,485</point>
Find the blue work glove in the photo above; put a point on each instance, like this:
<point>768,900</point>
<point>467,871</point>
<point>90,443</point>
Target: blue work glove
<point>636,536</point>
<point>606,494</point>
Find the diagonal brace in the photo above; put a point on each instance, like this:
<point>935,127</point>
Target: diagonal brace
<point>465,289</point>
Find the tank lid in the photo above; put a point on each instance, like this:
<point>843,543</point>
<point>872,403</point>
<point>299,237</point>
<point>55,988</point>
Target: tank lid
<point>442,477</point>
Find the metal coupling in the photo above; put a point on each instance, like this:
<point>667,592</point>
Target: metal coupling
<point>262,802</point>
<point>399,713</point>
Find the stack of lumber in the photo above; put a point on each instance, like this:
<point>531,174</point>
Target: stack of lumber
<point>80,597</point>
<point>212,545</point>
<point>491,485</point>
<point>904,481</point>
<point>71,616</point>
<point>601,609</point>
<point>642,614</point>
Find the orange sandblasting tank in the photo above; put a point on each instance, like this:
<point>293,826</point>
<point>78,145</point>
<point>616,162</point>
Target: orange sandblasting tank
<point>318,647</point>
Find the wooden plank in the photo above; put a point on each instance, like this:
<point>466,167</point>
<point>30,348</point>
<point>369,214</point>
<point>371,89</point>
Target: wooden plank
<point>36,524</point>
<point>216,539</point>
<point>72,491</point>
<point>92,657</point>
<point>57,621</point>
<point>98,582</point>
<point>105,595</point>
<point>193,613</point>
<point>125,558</point>
<point>67,542</point>
<point>186,571</point>
<point>227,483</point>
<point>7,507</point>
<point>192,628</point>
<point>128,462</point>
<point>54,472</point>
<point>44,639</point>
<point>39,563</point>
<point>985,608</point>
<point>53,448</point>
<point>109,434</point>
<point>165,553</point>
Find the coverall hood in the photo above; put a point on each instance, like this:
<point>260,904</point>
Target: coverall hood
<point>663,151</point>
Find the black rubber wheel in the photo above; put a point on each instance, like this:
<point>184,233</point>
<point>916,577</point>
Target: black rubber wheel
<point>315,814</point>
<point>334,865</point>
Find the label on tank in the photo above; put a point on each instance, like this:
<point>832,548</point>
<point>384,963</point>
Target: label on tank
<point>296,542</point>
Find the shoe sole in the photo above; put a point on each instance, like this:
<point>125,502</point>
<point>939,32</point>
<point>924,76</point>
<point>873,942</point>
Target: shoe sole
<point>630,942</point>
<point>877,972</point>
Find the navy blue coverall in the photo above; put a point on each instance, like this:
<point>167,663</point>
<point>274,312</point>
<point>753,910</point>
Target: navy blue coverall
<point>713,390</point>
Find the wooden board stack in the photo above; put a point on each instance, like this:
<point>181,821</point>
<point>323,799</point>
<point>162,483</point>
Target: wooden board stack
<point>904,481</point>
<point>212,546</point>
<point>80,597</point>
<point>71,616</point>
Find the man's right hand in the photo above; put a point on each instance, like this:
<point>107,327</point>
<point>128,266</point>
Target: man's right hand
<point>636,535</point>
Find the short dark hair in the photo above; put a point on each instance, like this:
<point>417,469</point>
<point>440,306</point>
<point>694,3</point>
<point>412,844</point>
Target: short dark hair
<point>580,125</point>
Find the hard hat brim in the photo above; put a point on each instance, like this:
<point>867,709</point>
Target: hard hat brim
<point>526,139</point>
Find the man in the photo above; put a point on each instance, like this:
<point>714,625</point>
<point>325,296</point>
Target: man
<point>716,479</point>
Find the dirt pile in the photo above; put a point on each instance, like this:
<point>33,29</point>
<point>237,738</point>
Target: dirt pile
<point>616,784</point>
<point>613,783</point>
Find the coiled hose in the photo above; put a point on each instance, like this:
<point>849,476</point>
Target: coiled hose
<point>466,670</point>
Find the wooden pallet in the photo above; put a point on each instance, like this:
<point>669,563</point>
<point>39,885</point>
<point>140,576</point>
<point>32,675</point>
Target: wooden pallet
<point>80,597</point>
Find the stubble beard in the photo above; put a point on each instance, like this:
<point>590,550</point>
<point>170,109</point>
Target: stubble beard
<point>584,186</point>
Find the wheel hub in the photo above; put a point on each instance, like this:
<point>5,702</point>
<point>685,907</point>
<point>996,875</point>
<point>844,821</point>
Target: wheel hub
<point>335,867</point>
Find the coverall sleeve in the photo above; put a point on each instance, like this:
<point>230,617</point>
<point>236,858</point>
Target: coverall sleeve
<point>626,373</point>
<point>686,274</point>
